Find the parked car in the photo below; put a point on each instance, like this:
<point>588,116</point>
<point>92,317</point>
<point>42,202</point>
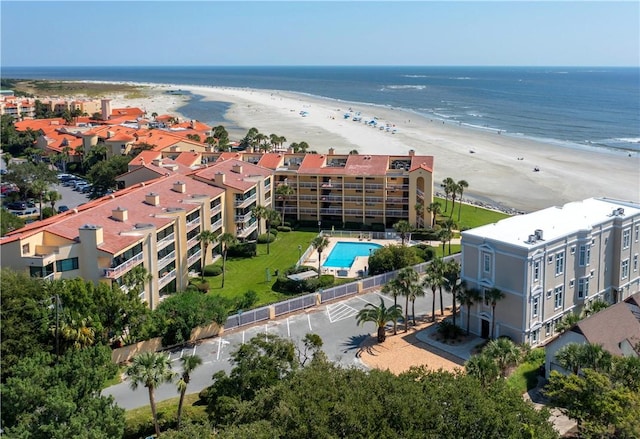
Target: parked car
<point>62,208</point>
<point>17,205</point>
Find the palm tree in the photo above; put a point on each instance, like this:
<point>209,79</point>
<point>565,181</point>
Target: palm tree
<point>445,235</point>
<point>483,368</point>
<point>53,197</point>
<point>135,279</point>
<point>453,282</point>
<point>567,321</point>
<point>150,369</point>
<point>434,279</point>
<point>406,281</point>
<point>79,334</point>
<point>493,296</point>
<point>462,185</point>
<point>379,315</point>
<point>468,297</point>
<point>447,185</point>
<point>504,352</point>
<point>39,188</point>
<point>435,209</point>
<point>189,364</point>
<point>569,357</point>
<point>595,357</point>
<point>283,191</point>
<point>258,212</point>
<point>454,193</point>
<point>392,289</point>
<point>320,243</point>
<point>416,291</point>
<point>403,228</point>
<point>206,238</point>
<point>271,216</point>
<point>226,240</point>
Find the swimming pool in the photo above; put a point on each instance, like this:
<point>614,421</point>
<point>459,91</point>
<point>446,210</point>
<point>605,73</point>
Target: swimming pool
<point>344,253</point>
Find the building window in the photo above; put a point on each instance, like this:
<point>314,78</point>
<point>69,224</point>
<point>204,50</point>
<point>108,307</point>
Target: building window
<point>549,293</point>
<point>67,264</point>
<point>573,250</point>
<point>536,270</point>
<point>164,233</point>
<point>624,273</point>
<point>486,297</point>
<point>559,263</point>
<point>550,259</point>
<point>534,336</point>
<point>635,262</point>
<point>25,249</point>
<point>486,263</point>
<point>547,329</point>
<point>558,297</point>
<point>585,255</point>
<point>572,282</point>
<point>535,306</point>
<point>637,232</point>
<point>626,238</point>
<point>583,287</point>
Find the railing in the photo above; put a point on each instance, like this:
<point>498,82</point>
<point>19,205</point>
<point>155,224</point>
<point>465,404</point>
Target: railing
<point>353,186</point>
<point>243,218</point>
<point>247,318</point>
<point>397,187</point>
<point>193,223</point>
<point>113,273</point>
<point>243,233</point>
<point>245,201</point>
<point>194,257</point>
<point>307,184</point>
<point>166,241</point>
<point>164,280</point>
<point>374,186</point>
<point>295,304</point>
<point>216,209</point>
<point>166,260</point>
<point>420,193</point>
<point>49,276</point>
<point>215,226</point>
<point>193,241</point>
<point>267,201</point>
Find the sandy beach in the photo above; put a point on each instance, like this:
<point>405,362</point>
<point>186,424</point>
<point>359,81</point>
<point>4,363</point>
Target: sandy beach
<point>498,167</point>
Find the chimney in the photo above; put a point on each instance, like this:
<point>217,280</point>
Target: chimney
<point>180,187</point>
<point>90,233</point>
<point>331,151</point>
<point>237,168</point>
<point>110,134</point>
<point>219,178</point>
<point>193,124</point>
<point>152,199</point>
<point>412,152</point>
<point>106,109</point>
<point>120,214</point>
<point>157,162</point>
<point>538,233</point>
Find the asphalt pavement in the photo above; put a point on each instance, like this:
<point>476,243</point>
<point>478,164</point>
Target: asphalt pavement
<point>334,322</point>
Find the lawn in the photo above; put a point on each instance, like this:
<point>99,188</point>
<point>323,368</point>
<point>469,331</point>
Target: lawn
<point>250,274</point>
<point>472,216</point>
<point>139,423</point>
<point>525,376</point>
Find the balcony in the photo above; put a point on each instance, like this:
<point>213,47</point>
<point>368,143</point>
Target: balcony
<point>164,280</point>
<point>193,224</point>
<point>307,184</point>
<point>113,273</point>
<point>215,226</point>
<point>374,186</point>
<point>50,276</point>
<point>194,257</point>
<point>166,260</point>
<point>166,241</point>
<point>244,202</point>
<point>193,241</point>
<point>246,231</point>
<point>267,201</point>
<point>216,209</point>
<point>353,185</point>
<point>243,218</point>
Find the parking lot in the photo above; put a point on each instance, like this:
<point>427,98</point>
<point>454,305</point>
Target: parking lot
<point>334,322</point>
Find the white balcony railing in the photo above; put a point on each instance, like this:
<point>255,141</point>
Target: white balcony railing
<point>216,209</point>
<point>194,257</point>
<point>49,276</point>
<point>166,241</point>
<point>164,280</point>
<point>245,201</point>
<point>113,273</point>
<point>166,260</point>
<point>215,226</point>
<point>243,233</point>
<point>193,224</point>
<point>193,241</point>
<point>243,218</point>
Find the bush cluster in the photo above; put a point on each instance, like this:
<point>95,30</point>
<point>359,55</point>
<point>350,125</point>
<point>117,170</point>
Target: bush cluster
<point>212,270</point>
<point>448,330</point>
<point>266,237</point>
<point>242,250</point>
<point>284,228</point>
<point>288,286</point>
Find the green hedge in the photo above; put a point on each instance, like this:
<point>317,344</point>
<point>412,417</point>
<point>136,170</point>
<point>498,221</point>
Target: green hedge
<point>266,237</point>
<point>242,250</point>
<point>287,286</point>
<point>212,270</point>
<point>284,229</point>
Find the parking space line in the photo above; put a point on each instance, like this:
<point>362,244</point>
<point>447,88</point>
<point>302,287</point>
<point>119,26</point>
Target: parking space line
<point>340,311</point>
<point>309,321</point>
<point>288,328</point>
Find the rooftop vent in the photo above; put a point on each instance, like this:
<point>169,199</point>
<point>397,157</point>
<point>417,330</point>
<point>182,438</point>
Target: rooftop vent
<point>237,168</point>
<point>538,234</point>
<point>152,199</point>
<point>157,162</point>
<point>180,187</point>
<point>120,214</point>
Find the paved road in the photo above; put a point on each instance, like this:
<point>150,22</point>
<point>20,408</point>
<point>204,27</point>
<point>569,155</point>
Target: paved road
<point>334,322</point>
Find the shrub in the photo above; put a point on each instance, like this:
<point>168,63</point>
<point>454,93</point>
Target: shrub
<point>266,237</point>
<point>242,250</point>
<point>425,252</point>
<point>426,234</point>
<point>203,287</point>
<point>284,228</point>
<point>448,330</point>
<point>212,270</point>
<point>274,231</point>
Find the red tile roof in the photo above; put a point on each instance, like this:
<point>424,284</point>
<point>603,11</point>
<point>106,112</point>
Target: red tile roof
<point>239,181</point>
<point>145,157</point>
<point>189,158</point>
<point>98,212</point>
<point>36,124</point>
<point>271,160</point>
<point>423,162</point>
<point>355,164</point>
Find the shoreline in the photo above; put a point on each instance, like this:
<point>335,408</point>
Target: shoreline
<point>499,167</point>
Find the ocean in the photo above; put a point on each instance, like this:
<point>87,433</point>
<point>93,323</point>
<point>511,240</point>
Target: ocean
<point>582,107</point>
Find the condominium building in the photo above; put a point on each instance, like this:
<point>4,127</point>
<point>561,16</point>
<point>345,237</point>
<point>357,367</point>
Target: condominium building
<point>550,263</point>
<point>154,225</point>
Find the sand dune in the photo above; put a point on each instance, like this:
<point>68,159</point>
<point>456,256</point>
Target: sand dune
<point>499,167</point>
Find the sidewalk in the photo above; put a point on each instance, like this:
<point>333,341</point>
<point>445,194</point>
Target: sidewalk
<point>462,350</point>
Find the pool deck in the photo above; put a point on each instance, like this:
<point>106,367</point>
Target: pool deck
<point>358,267</point>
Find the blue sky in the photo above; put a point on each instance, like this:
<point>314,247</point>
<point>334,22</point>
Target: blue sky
<point>157,33</point>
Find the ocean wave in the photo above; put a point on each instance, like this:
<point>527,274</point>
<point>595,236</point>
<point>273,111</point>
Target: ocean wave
<point>462,78</point>
<point>627,139</point>
<point>414,76</point>
<point>404,87</point>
